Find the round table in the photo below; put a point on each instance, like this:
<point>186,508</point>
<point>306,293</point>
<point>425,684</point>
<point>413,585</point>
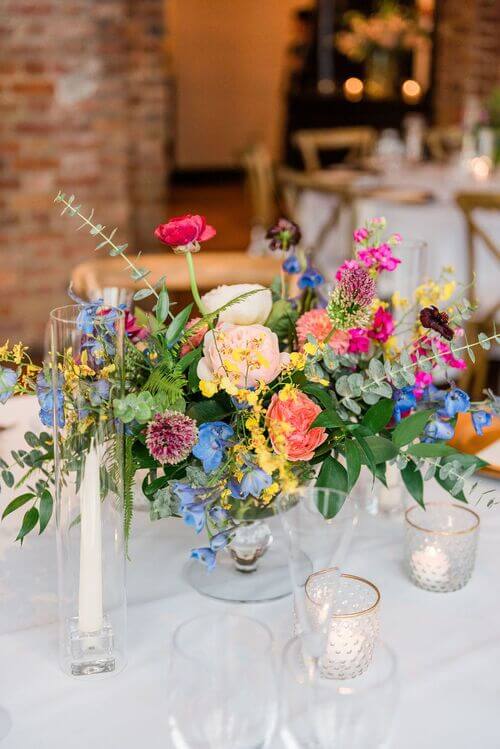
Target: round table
<point>448,646</point>
<point>439,221</point>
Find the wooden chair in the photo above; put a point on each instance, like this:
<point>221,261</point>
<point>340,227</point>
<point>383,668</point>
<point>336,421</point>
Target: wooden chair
<point>474,380</point>
<point>358,141</point>
<point>261,185</point>
<point>442,142</point>
<point>213,268</point>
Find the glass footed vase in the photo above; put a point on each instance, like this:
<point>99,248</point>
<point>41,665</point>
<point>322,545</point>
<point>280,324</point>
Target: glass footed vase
<point>253,568</point>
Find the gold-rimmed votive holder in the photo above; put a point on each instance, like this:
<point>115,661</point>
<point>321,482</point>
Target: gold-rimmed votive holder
<point>354,624</point>
<point>440,545</point>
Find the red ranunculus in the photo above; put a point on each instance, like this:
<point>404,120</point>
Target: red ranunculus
<point>183,230</point>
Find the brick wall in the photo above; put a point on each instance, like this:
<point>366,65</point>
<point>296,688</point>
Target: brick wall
<point>83,105</point>
<point>468,54</point>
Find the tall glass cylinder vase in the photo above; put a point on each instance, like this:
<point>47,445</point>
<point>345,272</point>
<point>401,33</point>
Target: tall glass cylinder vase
<point>86,369</point>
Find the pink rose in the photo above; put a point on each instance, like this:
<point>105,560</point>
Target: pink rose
<point>183,230</point>
<point>289,424</point>
<point>317,323</point>
<point>246,354</point>
<point>195,339</point>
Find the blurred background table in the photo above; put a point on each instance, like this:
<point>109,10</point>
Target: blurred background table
<point>448,646</point>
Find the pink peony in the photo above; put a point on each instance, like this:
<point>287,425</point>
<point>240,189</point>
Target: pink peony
<point>346,265</point>
<point>247,354</point>
<point>194,340</point>
<point>317,323</point>
<point>170,437</point>
<point>359,343</point>
<point>380,258</point>
<point>289,424</point>
<point>183,230</point>
<point>383,326</point>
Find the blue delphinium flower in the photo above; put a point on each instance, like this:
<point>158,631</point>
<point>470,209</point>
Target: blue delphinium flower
<point>220,540</point>
<point>456,401</point>
<point>194,515</point>
<point>187,494</point>
<point>86,317</point>
<point>8,379</point>
<point>291,264</point>
<point>213,438</point>
<point>481,419</point>
<point>311,278</point>
<point>432,394</point>
<point>206,555</point>
<point>438,430</point>
<point>98,392</point>
<point>252,484</point>
<point>45,397</point>
<point>219,515</point>
<point>404,400</point>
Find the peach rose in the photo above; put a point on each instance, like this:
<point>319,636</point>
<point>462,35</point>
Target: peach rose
<point>246,354</point>
<point>289,419</point>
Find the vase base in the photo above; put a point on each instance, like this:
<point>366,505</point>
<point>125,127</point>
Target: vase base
<point>269,581</point>
<point>91,652</point>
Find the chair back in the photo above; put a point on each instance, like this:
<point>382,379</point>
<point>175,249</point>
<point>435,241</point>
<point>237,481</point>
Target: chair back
<point>358,141</point>
<point>442,142</point>
<point>261,184</point>
<point>475,379</point>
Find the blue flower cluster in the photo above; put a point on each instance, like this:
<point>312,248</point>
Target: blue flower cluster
<point>45,395</point>
<point>8,380</point>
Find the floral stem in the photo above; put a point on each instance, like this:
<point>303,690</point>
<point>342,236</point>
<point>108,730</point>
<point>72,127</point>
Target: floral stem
<point>194,286</point>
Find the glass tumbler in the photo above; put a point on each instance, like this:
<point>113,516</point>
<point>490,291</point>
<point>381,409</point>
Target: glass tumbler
<point>222,688</point>
<point>440,545</point>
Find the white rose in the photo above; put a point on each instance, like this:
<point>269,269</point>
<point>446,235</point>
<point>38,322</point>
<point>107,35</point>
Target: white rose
<point>254,310</point>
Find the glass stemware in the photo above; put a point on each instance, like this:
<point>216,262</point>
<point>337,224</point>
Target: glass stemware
<point>318,526</point>
<point>222,689</point>
<point>323,713</point>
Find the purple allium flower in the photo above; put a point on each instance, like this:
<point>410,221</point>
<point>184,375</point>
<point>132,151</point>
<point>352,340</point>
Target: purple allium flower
<point>357,286</point>
<point>171,436</point>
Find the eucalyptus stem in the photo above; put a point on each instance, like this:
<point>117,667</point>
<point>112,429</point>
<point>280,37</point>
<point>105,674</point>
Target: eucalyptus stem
<point>194,285</point>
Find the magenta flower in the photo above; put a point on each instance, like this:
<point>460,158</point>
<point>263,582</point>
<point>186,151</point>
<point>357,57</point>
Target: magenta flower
<point>383,326</point>
<point>184,230</point>
<point>360,235</point>
<point>133,330</point>
<point>358,287</point>
<point>345,266</point>
<point>359,343</point>
<point>379,258</point>
<point>422,381</point>
<point>171,436</point>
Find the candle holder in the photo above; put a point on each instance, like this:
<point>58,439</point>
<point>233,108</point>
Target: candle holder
<point>354,623</point>
<point>440,546</point>
<point>87,373</point>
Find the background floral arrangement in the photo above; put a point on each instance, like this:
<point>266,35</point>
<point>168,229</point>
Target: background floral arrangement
<point>391,28</point>
<point>263,390</point>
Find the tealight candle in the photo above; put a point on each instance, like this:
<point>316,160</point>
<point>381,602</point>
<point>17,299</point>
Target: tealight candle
<point>353,625</point>
<point>441,545</point>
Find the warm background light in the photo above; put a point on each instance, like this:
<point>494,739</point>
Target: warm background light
<point>353,89</point>
<point>412,91</point>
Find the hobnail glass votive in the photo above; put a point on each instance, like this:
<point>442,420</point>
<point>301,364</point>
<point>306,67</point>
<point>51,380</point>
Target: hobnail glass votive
<point>440,546</point>
<point>354,623</point>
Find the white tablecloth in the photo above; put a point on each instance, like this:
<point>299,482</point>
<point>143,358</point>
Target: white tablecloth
<point>440,223</point>
<point>448,645</point>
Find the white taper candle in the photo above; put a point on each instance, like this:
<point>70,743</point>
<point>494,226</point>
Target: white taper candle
<point>90,614</point>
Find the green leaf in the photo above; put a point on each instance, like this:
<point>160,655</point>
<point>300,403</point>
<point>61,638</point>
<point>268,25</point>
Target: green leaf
<point>17,503</point>
<point>142,294</point>
<point>8,478</point>
<point>29,521</point>
<point>414,483</point>
<point>431,450</point>
<point>379,415</point>
<point>45,511</point>
<point>206,410</point>
<point>31,439</point>
<point>318,392</point>
<point>411,427</point>
<point>332,476</point>
<point>381,448</point>
<point>328,419</point>
<point>192,356</point>
<point>448,485</point>
<point>162,306</point>
<point>368,456</point>
<point>176,327</point>
<point>353,462</point>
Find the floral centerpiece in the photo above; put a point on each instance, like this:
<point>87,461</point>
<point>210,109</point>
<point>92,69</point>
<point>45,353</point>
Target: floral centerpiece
<point>259,389</point>
<point>378,38</point>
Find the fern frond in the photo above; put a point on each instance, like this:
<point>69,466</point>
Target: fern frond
<point>129,470</point>
<point>166,379</point>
